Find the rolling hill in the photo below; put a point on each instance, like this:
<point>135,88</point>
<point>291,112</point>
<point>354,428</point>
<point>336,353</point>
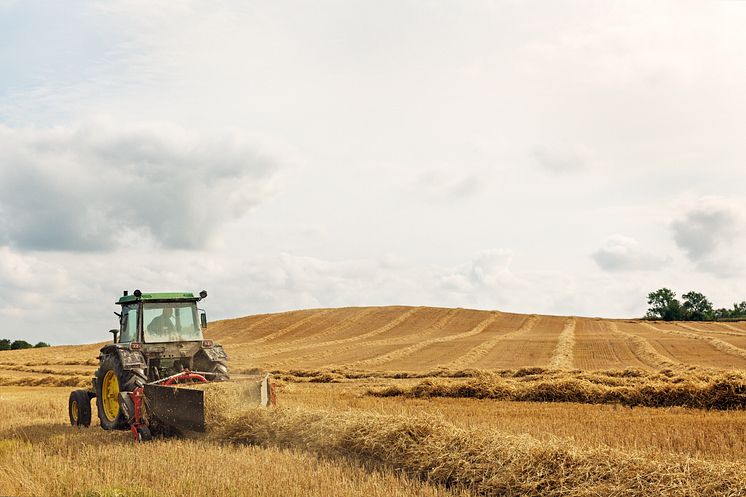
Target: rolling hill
<point>421,339</point>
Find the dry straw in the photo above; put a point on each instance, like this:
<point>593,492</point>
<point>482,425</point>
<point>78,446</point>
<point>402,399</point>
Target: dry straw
<point>697,389</point>
<point>485,463</point>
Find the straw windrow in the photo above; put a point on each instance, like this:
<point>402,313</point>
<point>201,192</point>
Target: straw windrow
<point>485,463</point>
<point>706,390</point>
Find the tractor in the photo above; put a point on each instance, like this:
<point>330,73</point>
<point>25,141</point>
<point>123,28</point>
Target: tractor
<point>157,349</point>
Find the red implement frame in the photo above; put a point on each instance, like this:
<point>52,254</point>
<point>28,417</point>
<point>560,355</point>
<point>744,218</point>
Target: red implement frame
<point>137,395</point>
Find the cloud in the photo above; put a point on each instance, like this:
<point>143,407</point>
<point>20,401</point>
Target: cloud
<point>711,234</point>
<point>96,185</point>
<point>622,253</point>
<point>560,160</point>
<point>23,281</point>
<point>443,185</point>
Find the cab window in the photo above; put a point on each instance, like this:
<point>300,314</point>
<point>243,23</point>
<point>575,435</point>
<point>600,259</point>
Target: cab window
<point>128,330</point>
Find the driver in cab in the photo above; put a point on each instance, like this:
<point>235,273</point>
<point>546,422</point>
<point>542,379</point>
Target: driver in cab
<point>162,324</point>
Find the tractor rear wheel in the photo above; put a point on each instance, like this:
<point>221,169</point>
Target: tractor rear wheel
<point>111,378</point>
<point>79,408</point>
<point>221,372</point>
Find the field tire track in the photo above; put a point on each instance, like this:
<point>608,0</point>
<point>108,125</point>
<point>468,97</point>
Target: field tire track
<point>563,353</point>
<point>731,327</point>
<point>406,351</point>
<point>300,344</point>
<point>715,332</point>
<point>485,347</point>
<point>378,331</point>
<point>644,351</point>
<point>259,322</point>
<point>715,342</point>
<point>291,328</point>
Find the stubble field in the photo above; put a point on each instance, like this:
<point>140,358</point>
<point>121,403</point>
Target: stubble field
<point>414,401</point>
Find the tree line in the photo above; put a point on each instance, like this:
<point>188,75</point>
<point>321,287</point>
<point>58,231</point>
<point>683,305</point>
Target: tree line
<point>694,307</point>
<point>6,344</point>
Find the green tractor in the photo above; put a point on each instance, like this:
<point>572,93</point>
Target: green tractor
<point>158,348</point>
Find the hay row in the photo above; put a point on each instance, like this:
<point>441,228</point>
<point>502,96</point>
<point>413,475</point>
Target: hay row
<point>481,350</point>
<point>47,370</point>
<point>562,358</point>
<point>302,343</point>
<point>45,381</point>
<point>714,332</point>
<point>330,347</point>
<point>703,390</point>
<point>291,328</point>
<point>734,328</point>
<point>644,350</point>
<point>407,351</point>
<point>715,342</point>
<point>484,463</point>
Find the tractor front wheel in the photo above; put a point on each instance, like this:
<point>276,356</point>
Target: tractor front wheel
<point>79,408</point>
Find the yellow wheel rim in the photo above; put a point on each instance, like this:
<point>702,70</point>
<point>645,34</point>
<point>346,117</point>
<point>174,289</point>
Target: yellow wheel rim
<point>75,410</point>
<point>110,395</point>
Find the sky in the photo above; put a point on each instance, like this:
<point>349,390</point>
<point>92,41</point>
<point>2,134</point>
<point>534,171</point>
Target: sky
<point>557,157</point>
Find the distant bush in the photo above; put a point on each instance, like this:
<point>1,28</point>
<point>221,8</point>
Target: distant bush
<point>20,344</point>
<point>696,307</point>
<point>6,344</point>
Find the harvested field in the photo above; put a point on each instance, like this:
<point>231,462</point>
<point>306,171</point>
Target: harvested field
<point>402,338</point>
<point>598,344</point>
<point>464,403</point>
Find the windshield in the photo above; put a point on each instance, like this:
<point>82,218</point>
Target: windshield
<point>170,322</point>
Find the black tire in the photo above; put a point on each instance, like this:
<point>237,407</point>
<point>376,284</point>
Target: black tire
<point>79,408</point>
<point>220,370</point>
<point>126,382</point>
<point>143,434</point>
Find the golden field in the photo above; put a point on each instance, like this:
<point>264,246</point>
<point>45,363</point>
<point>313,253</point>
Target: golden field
<point>477,404</point>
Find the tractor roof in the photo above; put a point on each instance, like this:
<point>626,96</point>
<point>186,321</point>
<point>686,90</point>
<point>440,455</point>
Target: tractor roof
<point>145,297</point>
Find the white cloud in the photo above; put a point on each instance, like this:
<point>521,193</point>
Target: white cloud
<point>622,253</point>
<point>442,185</point>
<point>97,185</point>
<point>711,232</point>
<point>560,160</point>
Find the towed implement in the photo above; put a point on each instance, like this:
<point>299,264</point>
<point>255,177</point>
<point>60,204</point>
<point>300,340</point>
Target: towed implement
<point>146,377</point>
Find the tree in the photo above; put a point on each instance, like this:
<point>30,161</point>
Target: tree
<point>698,307</point>
<point>739,310</point>
<point>4,344</point>
<point>664,305</point>
<point>721,314</point>
<point>41,344</point>
<point>20,344</point>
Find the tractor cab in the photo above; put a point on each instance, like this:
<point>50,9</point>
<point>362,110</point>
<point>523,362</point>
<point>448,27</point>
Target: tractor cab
<point>160,318</point>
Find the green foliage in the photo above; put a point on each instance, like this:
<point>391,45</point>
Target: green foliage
<point>697,307</point>
<point>20,344</point>
<point>4,344</point>
<point>664,305</point>
<point>739,310</point>
<point>41,345</point>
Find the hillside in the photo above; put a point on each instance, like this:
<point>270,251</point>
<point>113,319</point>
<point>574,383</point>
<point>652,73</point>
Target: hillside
<point>421,339</point>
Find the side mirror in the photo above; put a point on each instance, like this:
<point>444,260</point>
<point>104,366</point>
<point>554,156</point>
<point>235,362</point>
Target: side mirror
<point>203,320</point>
<point>115,333</point>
